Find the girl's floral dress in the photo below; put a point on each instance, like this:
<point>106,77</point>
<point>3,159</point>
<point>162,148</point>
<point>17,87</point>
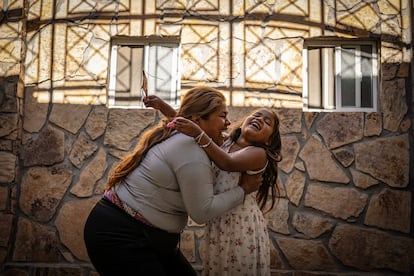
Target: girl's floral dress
<point>236,243</point>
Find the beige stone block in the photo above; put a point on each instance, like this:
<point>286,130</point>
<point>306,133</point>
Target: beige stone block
<point>10,57</point>
<point>314,153</point>
<point>338,129</point>
<point>78,40</point>
<point>6,221</point>
<point>339,202</point>
<point>170,30</point>
<point>15,4</point>
<point>59,52</point>
<point>42,190</point>
<point>279,216</point>
<point>35,10</point>
<point>316,11</point>
<point>368,249</point>
<point>238,8</point>
<point>345,156</point>
<point>391,27</point>
<point>135,7</point>
<point>275,258</point>
<point>363,181</point>
<point>176,5</point>
<point>9,30</point>
<point>120,29</point>
<point>4,195</point>
<point>290,150</point>
<point>299,8</point>
<point>390,54</point>
<point>35,112</point>
<point>312,225</point>
<point>47,10</point>
<point>405,125</point>
<point>306,254</point>
<point>45,57</point>
<point>389,7</point>
<point>373,124</point>
<point>35,243</point>
<point>150,27</point>
<point>125,125</point>
<point>82,149</point>
<point>61,11</point>
<point>295,187</point>
<point>390,209</point>
<point>135,27</point>
<point>363,18</point>
<point>406,28</point>
<point>96,123</point>
<point>70,223</point>
<point>224,7</point>
<point>393,103</point>
<point>9,123</point>
<point>32,59</point>
<point>3,252</point>
<point>89,176</point>
<point>386,159</point>
<point>78,114</point>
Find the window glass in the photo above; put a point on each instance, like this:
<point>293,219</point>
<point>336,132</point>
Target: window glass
<point>315,78</point>
<point>128,76</point>
<point>163,72</point>
<point>329,77</point>
<point>367,76</point>
<point>348,77</point>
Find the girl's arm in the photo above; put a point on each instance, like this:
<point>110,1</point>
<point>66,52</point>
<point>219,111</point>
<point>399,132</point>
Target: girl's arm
<point>158,104</point>
<point>250,158</point>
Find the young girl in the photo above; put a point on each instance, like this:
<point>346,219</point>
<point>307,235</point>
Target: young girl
<point>237,243</point>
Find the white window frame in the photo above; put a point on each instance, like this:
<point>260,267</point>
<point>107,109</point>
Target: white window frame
<point>148,60</point>
<point>338,45</point>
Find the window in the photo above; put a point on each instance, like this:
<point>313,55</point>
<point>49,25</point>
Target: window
<point>158,57</point>
<point>340,75</point>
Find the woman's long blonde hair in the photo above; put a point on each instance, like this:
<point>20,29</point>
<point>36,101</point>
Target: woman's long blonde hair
<point>199,101</point>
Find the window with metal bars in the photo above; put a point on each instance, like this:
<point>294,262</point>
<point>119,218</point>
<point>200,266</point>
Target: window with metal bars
<point>340,75</point>
<point>157,57</point>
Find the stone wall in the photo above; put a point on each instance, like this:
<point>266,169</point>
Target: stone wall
<point>345,183</point>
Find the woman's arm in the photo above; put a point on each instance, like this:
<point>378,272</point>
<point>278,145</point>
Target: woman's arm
<point>193,173</point>
<point>249,158</point>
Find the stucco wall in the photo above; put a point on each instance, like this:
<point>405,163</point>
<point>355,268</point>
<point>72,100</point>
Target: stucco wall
<point>345,181</point>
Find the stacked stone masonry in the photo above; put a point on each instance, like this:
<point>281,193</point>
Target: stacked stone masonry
<point>346,180</point>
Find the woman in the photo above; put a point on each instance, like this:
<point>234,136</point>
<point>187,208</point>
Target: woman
<point>135,228</point>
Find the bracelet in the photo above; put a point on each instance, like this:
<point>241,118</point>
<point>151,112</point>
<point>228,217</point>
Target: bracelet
<point>198,138</point>
<point>207,144</point>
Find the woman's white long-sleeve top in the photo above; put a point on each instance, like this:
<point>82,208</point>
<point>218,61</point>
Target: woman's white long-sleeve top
<point>174,181</point>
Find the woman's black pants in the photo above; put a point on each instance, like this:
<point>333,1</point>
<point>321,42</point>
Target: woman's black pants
<point>118,244</point>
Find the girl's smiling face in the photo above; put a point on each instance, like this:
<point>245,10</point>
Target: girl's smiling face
<point>259,127</point>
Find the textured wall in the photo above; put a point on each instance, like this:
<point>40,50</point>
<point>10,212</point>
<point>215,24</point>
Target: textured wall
<point>346,202</point>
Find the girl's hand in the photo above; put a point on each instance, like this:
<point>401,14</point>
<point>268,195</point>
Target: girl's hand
<point>158,104</point>
<point>187,127</point>
<point>153,101</point>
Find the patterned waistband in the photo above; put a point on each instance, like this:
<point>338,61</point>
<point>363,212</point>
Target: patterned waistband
<point>112,197</point>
